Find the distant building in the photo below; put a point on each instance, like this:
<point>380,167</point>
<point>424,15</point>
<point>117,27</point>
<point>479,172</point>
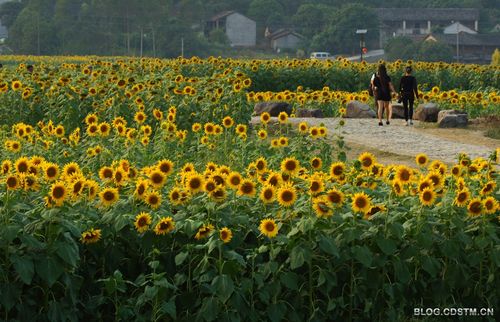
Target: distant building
<point>417,21</point>
<point>240,30</point>
<point>457,27</point>
<point>472,48</point>
<point>284,39</point>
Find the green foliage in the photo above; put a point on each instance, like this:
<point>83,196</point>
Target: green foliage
<point>495,58</point>
<point>340,35</point>
<point>434,52</point>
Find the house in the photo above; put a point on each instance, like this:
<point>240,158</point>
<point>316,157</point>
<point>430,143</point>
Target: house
<point>457,27</point>
<point>284,39</point>
<point>415,21</point>
<point>240,30</point>
<point>472,48</point>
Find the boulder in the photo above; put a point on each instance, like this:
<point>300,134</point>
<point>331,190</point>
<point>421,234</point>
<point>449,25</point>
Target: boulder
<point>359,110</point>
<point>398,111</point>
<point>273,108</point>
<point>306,112</point>
<point>452,118</point>
<point>427,112</point>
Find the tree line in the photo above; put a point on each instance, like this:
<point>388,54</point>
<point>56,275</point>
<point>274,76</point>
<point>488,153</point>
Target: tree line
<point>167,28</point>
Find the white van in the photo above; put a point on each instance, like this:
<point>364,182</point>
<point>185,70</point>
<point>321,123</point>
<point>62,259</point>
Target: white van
<point>321,55</point>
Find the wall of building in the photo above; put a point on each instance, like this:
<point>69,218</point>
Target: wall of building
<point>240,30</point>
<point>287,42</point>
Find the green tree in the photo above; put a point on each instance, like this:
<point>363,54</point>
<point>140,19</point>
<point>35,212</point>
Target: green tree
<point>495,58</point>
<point>311,19</point>
<point>340,35</point>
<point>401,48</point>
<point>434,51</point>
<point>9,12</point>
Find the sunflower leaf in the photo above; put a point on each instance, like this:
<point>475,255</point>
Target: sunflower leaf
<point>224,287</point>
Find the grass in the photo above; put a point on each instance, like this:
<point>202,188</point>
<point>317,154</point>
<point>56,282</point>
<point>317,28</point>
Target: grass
<point>493,133</point>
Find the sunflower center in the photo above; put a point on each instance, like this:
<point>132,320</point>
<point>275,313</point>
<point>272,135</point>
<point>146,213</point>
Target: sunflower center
<point>51,172</point>
<point>287,196</point>
<point>247,188</point>
<point>269,227</point>
<point>360,202</point>
<point>235,181</point>
<point>475,207</point>
<point>58,192</point>
<point>22,167</point>
<point>367,162</point>
<point>462,196</point>
<point>290,166</point>
<point>142,221</point>
<point>405,175</point>
<point>11,182</point>
<point>268,194</point>
<point>427,196</point>
<point>109,196</point>
<point>315,186</point>
<point>194,183</point>
<point>157,178</point>
<point>337,170</point>
<point>153,199</point>
<point>334,197</point>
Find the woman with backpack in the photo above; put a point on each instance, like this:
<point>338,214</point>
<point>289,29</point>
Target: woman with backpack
<point>382,90</point>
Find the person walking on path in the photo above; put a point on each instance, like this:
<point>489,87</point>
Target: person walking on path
<point>382,90</point>
<point>408,91</point>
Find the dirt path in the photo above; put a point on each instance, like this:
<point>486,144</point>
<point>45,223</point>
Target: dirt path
<point>397,143</point>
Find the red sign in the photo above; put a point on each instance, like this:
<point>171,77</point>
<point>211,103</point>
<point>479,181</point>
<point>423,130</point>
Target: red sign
<point>365,50</point>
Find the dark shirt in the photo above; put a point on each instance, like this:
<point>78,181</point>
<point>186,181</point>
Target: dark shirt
<point>408,86</point>
<point>384,92</point>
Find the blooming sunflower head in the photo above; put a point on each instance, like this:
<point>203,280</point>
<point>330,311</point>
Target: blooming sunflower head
<point>142,222</point>
<point>268,227</point>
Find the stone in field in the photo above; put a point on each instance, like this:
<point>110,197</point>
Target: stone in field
<point>452,118</point>
<point>398,111</point>
<point>427,112</point>
<point>359,110</point>
<point>306,112</point>
<point>273,108</point>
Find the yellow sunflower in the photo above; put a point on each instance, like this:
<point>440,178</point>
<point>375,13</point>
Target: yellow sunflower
<point>361,202</point>
<point>427,197</point>
<point>225,234</point>
<point>109,196</point>
<point>267,194</point>
<point>322,207</point>
<point>142,222</point>
<point>286,195</point>
<point>204,231</point>
<point>153,199</point>
<point>421,159</point>
<point>91,236</point>
<point>462,198</point>
<point>475,207</point>
<point>164,226</point>
<point>490,205</point>
<point>268,227</point>
<point>367,160</point>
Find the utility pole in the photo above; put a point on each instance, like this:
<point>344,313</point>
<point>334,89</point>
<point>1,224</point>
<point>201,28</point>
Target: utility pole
<point>361,33</point>
<point>182,47</point>
<point>38,34</point>
<point>457,43</point>
<point>142,35</point>
<point>154,44</point>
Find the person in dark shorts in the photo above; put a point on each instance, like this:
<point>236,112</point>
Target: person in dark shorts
<point>382,90</point>
<point>408,91</point>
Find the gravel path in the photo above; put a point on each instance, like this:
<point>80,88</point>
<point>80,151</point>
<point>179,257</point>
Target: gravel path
<point>399,139</point>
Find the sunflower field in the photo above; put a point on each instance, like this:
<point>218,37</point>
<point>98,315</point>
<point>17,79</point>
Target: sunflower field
<point>138,190</point>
